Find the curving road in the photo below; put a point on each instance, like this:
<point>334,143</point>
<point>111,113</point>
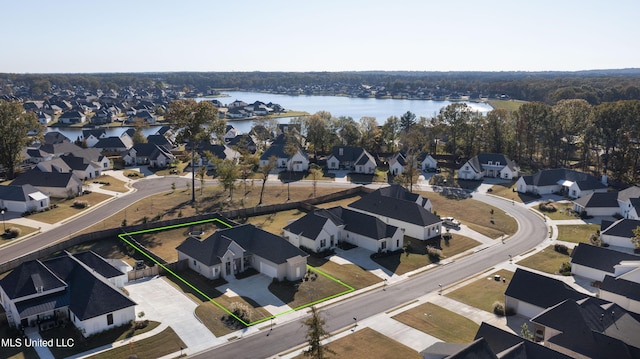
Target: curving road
<point>532,231</point>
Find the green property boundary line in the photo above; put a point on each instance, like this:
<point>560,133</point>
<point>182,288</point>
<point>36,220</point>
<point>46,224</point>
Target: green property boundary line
<point>123,235</point>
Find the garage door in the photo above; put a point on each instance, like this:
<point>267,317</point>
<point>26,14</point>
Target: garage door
<point>268,270</point>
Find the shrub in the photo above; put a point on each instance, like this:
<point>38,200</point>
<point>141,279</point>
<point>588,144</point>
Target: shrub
<point>565,269</point>
<point>12,232</point>
<point>498,308</point>
<point>547,207</point>
<point>594,239</point>
<point>434,254</point>
<point>561,248</point>
<point>80,204</point>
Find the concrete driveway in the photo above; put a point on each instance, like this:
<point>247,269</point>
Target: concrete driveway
<point>256,288</point>
<point>161,302</point>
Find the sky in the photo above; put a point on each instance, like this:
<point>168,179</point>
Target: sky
<point>80,36</point>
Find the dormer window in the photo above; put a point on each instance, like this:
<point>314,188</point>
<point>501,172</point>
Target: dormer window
<point>490,163</point>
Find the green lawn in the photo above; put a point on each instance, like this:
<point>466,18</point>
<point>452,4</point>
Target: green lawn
<point>483,292</point>
<point>367,343</point>
<point>440,323</point>
<point>548,260</point>
<point>509,105</point>
<point>577,233</point>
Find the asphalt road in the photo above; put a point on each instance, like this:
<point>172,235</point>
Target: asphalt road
<point>532,231</point>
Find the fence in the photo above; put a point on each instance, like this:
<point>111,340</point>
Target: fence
<point>156,270</point>
<point>225,216</point>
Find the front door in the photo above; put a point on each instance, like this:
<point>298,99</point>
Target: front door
<point>227,269</point>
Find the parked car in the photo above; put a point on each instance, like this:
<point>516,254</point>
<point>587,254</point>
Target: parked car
<point>450,221</point>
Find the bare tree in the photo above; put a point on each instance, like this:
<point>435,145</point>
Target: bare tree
<point>264,170</point>
<point>315,334</point>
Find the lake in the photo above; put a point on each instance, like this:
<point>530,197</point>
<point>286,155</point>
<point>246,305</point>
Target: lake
<point>353,107</point>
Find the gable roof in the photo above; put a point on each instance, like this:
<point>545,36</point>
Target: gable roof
<point>59,148</point>
<point>19,193</point>
<point>311,224</point>
<point>38,178</point>
<point>547,293</point>
<point>113,142</point>
<point>251,238</point>
<point>349,153</point>
<point>622,228</point>
<point>598,200</point>
<point>600,258</point>
<point>55,137</point>
<point>400,209</point>
<point>592,327</point>
<point>28,278</point>
<point>552,177</point>
<point>98,264</point>
<point>512,346</point>
<point>628,193</point>
<point>621,286</point>
<point>89,295</point>
<point>484,158</point>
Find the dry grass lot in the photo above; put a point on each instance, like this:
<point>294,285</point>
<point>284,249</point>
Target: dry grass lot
<point>475,214</point>
<point>315,287</point>
<point>164,343</point>
<point>483,292</point>
<point>274,222</point>
<point>508,191</point>
<point>351,274</point>
<point>548,260</point>
<point>111,184</point>
<point>440,323</point>
<point>367,343</point>
<point>576,233</point>
<point>24,230</point>
<point>65,208</point>
<point>401,263</point>
<point>564,211</point>
<point>342,202</point>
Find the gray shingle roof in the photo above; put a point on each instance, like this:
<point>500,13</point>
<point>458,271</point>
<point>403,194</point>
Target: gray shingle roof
<point>510,346</point>
<point>599,200</point>
<point>599,257</point>
<point>98,264</point>
<point>18,193</point>
<point>311,224</point>
<point>251,238</point>
<point>27,278</point>
<point>539,290</point>
<point>623,287</point>
<point>37,178</point>
<point>400,209</point>
<point>552,176</point>
<point>622,228</point>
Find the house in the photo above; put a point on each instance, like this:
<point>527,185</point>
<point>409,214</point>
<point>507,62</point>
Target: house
<point>623,289</point>
<point>68,288</point>
<point>91,137</point>
<point>494,165</point>
<point>43,118</point>
<point>161,141</point>
<point>561,181</point>
<point>230,251</point>
<point>629,202</point>
<point>355,159</point>
<point>148,154</point>
<point>323,229</point>
<point>298,162</point>
<point>114,144</point>
<point>54,137</point>
<point>22,198</point>
<point>72,117</point>
<point>411,217</point>
<point>426,162</point>
<point>53,184</point>
<point>529,293</point>
<point>619,233</point>
<point>243,141</point>
<point>589,328</point>
<point>507,345</point>
<point>230,132</point>
<point>597,204</point>
<point>594,263</point>
<point>397,162</point>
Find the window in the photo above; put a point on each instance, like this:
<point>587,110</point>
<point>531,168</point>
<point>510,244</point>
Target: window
<point>383,245</point>
<point>397,243</point>
<point>323,243</point>
<point>490,163</point>
<point>110,319</point>
<point>466,168</point>
<point>194,262</point>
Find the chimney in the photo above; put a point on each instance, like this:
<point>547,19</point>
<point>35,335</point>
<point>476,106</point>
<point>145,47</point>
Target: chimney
<point>341,151</point>
<point>604,179</point>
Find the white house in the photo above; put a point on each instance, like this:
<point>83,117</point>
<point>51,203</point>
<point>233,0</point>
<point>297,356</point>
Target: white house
<point>629,202</point>
<point>397,163</point>
<point>410,216</point>
<point>22,198</point>
<point>594,263</point>
<point>561,181</point>
<point>47,294</point>
<point>494,165</point>
<point>624,288</point>
<point>72,117</point>
<point>323,229</point>
<point>230,251</point>
<point>355,159</point>
<point>298,162</point>
<point>53,184</point>
<point>427,162</point>
<point>619,233</point>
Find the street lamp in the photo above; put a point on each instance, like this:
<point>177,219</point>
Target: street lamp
<point>4,227</point>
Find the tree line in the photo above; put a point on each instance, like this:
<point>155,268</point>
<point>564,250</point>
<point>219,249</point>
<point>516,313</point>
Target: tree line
<point>549,87</point>
<point>571,133</point>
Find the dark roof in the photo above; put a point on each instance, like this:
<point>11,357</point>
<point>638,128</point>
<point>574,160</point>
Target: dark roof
<point>55,137</point>
<point>551,178</point>
<point>251,238</point>
<point>599,257</point>
<point>484,159</point>
<point>622,228</point>
<point>89,296</point>
<point>28,278</point>
<point>349,153</point>
<point>400,209</point>
<point>478,349</point>
<point>18,193</point>
<point>60,148</point>
<point>160,140</point>
<point>311,224</point>
<point>42,304</point>
<point>512,346</point>
<point>95,132</point>
<point>620,286</point>
<point>276,150</point>
<point>598,200</point>
<point>539,290</point>
<point>150,150</point>
<point>75,163</point>
<point>592,327</point>
<point>364,224</point>
<point>110,142</point>
<point>37,178</point>
<point>397,191</point>
<point>98,264</point>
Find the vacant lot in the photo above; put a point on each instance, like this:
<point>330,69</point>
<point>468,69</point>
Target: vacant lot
<point>111,184</point>
<point>367,343</point>
<point>508,191</point>
<point>548,260</point>
<point>65,208</point>
<point>483,292</point>
<point>476,215</point>
<point>347,273</point>
<point>577,233</point>
<point>440,323</point>
<point>274,222</point>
